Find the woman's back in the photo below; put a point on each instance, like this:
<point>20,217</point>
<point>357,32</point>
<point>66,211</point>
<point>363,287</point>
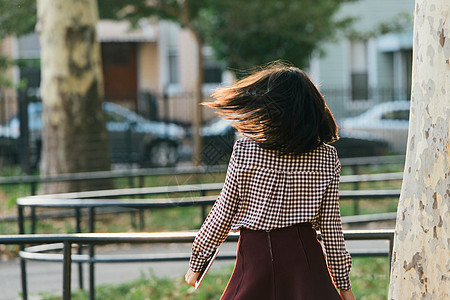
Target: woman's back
<point>280,190</point>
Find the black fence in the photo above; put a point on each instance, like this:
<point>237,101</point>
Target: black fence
<point>193,195</point>
<point>92,239</point>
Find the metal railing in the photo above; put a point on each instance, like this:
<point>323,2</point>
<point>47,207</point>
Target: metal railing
<point>130,174</point>
<point>355,179</point>
<point>93,200</point>
<point>92,239</point>
<point>141,174</point>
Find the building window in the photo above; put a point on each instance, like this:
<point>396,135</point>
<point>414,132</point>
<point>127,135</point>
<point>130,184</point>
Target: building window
<point>401,115</point>
<point>173,66</point>
<point>211,68</point>
<point>359,70</point>
<point>212,73</point>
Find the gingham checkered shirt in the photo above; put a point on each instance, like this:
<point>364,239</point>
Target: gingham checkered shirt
<point>264,190</point>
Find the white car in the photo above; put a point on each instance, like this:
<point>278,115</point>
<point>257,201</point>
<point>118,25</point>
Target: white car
<point>388,121</point>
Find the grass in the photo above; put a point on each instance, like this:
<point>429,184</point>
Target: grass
<point>171,219</point>
<point>369,276</point>
<point>347,207</point>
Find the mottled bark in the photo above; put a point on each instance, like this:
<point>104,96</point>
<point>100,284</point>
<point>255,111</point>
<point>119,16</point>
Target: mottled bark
<point>74,135</point>
<point>420,263</point>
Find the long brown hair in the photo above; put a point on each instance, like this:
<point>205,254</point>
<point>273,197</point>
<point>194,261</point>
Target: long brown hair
<point>279,107</point>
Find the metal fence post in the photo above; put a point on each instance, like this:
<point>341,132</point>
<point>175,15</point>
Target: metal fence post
<point>356,210</point>
<point>141,211</point>
<point>80,249</point>
<point>91,255</point>
<point>141,219</point>
<point>203,193</point>
<point>24,138</point>
<point>67,264</point>
<point>33,220</point>
<point>23,266</point>
<point>33,188</point>
<point>20,219</point>
<point>391,252</point>
<point>91,272</point>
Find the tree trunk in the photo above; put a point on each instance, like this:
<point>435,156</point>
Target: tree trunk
<point>74,137</point>
<point>420,262</point>
<point>198,98</point>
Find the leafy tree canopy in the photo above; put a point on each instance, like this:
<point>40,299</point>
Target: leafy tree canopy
<point>248,33</point>
<point>243,33</point>
<point>187,13</point>
<point>17,17</point>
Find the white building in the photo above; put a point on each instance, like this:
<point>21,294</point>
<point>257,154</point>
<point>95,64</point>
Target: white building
<point>354,74</point>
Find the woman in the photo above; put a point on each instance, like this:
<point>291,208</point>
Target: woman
<point>282,181</point>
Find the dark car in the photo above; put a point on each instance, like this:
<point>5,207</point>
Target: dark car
<point>219,137</point>
<point>132,138</point>
<point>360,146</point>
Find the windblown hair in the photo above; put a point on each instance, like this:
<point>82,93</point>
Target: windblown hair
<point>278,107</point>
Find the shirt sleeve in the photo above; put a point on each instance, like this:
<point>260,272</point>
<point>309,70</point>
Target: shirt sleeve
<point>338,259</point>
<point>217,225</point>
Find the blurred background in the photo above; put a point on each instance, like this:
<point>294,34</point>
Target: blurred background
<point>150,67</point>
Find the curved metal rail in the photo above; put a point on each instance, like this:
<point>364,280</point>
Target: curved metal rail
<point>67,241</point>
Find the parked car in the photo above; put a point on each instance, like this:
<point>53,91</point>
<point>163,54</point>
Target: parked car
<point>219,137</point>
<point>387,122</point>
<point>132,138</point>
<point>359,146</point>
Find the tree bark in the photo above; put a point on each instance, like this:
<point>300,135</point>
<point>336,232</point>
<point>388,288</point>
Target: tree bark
<point>420,262</point>
<point>74,137</point>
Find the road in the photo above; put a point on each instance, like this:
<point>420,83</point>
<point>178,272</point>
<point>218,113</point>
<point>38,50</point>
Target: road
<point>47,276</point>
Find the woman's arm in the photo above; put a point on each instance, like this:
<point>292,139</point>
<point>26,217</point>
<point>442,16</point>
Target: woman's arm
<point>217,225</point>
<point>338,259</point>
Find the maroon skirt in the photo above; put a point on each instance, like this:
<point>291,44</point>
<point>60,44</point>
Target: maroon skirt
<point>282,264</point>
